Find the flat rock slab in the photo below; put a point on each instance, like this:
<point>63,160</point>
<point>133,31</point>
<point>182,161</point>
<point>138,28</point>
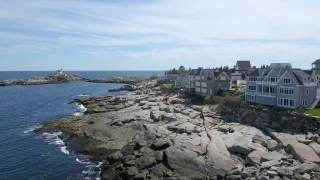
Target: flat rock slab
<point>303,152</point>
<point>272,156</point>
<point>315,147</point>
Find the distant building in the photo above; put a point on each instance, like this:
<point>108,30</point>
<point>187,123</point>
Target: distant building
<point>208,82</point>
<point>281,85</point>
<point>171,75</point>
<point>60,71</point>
<point>316,71</point>
<point>242,66</point>
<point>238,77</point>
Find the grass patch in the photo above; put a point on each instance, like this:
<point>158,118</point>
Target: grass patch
<point>313,112</point>
<point>169,86</point>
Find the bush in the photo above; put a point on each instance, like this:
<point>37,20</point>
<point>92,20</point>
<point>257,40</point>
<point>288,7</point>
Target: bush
<point>220,93</point>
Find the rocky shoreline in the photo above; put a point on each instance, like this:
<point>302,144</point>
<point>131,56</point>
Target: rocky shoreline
<point>118,80</point>
<point>149,134</point>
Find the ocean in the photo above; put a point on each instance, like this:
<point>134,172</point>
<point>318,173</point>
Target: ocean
<point>25,155</point>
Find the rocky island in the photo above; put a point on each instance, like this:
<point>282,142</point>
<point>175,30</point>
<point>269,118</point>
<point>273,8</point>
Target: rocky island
<point>53,78</point>
<point>152,133</point>
<point>61,77</point>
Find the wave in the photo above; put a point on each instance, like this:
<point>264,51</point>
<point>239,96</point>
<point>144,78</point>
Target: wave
<point>31,129</point>
<point>64,150</point>
<point>81,109</point>
<point>83,95</point>
<point>53,138</point>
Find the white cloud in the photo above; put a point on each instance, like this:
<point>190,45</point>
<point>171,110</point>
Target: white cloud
<point>172,32</point>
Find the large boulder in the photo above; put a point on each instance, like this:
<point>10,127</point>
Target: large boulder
<point>219,160</point>
<point>274,155</point>
<point>185,162</point>
<point>242,146</point>
<point>254,158</point>
<point>315,147</point>
<point>303,152</point>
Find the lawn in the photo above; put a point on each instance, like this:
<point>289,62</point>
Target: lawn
<point>169,86</point>
<point>313,112</point>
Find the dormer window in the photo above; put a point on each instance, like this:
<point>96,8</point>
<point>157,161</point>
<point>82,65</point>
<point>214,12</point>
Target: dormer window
<point>287,80</point>
<point>273,79</point>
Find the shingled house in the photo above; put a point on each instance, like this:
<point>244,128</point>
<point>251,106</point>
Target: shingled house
<point>281,85</point>
<point>238,77</point>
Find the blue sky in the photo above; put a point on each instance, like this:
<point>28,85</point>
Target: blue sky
<point>156,34</point>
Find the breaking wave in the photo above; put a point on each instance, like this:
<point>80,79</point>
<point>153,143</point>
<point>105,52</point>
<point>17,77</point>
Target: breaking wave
<point>31,129</point>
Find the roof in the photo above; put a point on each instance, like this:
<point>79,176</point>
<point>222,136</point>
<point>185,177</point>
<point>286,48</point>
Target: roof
<point>258,71</point>
<point>243,64</point>
<point>316,61</point>
<point>280,65</point>
<point>195,71</point>
<point>300,75</point>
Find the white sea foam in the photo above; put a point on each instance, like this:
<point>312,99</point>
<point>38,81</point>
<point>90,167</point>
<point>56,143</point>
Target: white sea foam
<point>53,138</point>
<point>64,150</point>
<point>77,114</point>
<point>99,164</point>
<point>83,161</point>
<point>80,109</point>
<point>83,95</point>
<point>31,129</point>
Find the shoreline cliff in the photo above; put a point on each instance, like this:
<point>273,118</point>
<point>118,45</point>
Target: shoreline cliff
<point>153,134</point>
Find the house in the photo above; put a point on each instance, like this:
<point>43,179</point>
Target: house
<point>238,77</point>
<point>242,66</point>
<point>182,80</point>
<point>208,82</point>
<point>193,76</point>
<point>316,71</point>
<point>171,75</point>
<point>280,85</point>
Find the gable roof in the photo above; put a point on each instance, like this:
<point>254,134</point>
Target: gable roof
<point>316,61</point>
<point>195,71</point>
<point>280,66</point>
<point>243,64</point>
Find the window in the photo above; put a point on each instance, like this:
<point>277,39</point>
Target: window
<point>203,84</point>
<point>307,91</point>
<point>273,79</point>
<point>197,90</point>
<point>252,79</point>
<point>292,103</point>
<point>197,83</point>
<point>266,89</point>
<point>287,80</point>
<point>252,88</point>
<point>250,98</point>
<point>203,90</point>
<point>272,90</point>
<point>286,102</point>
<point>287,91</point>
<point>259,88</point>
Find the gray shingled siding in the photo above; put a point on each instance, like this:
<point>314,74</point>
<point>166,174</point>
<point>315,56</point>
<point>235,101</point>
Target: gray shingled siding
<point>302,95</point>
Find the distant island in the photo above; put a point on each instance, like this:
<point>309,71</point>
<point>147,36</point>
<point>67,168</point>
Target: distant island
<point>56,77</point>
<point>61,77</point>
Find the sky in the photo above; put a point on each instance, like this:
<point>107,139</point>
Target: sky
<point>156,34</point>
